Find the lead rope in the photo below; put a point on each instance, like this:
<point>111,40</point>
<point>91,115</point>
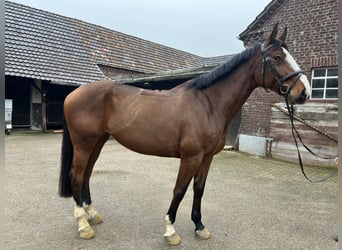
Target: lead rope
<point>294,133</point>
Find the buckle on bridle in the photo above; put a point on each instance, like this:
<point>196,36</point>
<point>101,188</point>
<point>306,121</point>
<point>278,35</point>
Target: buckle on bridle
<point>284,89</point>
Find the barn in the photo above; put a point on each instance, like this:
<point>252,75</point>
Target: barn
<point>312,40</point>
<point>48,55</point>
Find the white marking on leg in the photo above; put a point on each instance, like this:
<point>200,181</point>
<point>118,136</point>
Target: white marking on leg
<point>291,61</point>
<point>81,216</point>
<point>92,215</point>
<point>170,229</point>
<point>79,212</point>
<point>90,210</point>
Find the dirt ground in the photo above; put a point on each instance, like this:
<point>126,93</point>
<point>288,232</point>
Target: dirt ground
<point>249,202</point>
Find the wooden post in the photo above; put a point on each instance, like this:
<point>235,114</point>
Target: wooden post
<point>44,112</point>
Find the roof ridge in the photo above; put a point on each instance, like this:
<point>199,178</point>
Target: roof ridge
<point>271,8</point>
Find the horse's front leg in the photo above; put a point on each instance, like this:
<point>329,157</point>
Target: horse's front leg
<point>199,183</point>
<point>186,172</point>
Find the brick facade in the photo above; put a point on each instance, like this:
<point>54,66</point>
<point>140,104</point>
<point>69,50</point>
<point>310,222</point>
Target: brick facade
<point>311,38</point>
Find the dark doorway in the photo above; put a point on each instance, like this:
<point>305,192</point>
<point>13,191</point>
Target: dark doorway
<point>54,98</point>
<point>18,89</point>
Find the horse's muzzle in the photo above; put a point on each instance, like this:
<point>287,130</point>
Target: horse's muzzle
<point>304,96</point>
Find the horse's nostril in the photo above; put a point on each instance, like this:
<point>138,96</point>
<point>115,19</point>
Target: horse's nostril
<point>304,94</point>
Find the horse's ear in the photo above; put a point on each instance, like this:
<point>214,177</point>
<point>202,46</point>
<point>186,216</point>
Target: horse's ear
<point>283,35</point>
<point>274,33</point>
<point>272,36</point>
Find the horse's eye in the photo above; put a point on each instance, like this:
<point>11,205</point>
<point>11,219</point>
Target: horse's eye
<point>277,58</point>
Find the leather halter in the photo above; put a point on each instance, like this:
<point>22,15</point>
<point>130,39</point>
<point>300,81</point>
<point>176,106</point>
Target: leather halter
<point>283,89</point>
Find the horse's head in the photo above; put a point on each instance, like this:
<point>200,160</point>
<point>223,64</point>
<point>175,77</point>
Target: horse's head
<point>279,71</point>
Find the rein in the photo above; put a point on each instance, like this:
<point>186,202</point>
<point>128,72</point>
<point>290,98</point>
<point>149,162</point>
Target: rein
<point>285,92</point>
<point>294,133</point>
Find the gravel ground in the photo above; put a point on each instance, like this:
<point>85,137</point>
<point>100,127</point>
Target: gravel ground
<point>249,202</point>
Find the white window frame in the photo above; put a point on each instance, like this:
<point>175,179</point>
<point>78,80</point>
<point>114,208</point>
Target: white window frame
<point>325,78</point>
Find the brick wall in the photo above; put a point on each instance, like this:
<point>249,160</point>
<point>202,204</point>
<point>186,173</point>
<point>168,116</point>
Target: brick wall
<point>256,113</point>
<point>312,40</point>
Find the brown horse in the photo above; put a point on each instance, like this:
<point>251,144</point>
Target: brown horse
<point>188,122</point>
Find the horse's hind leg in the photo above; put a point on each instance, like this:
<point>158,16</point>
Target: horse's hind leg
<point>93,216</point>
<point>82,153</point>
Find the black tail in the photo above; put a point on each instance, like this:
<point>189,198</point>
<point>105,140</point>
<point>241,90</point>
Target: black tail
<point>66,161</point>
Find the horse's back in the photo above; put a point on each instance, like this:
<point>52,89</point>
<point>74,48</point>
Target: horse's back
<point>98,88</point>
<point>106,105</point>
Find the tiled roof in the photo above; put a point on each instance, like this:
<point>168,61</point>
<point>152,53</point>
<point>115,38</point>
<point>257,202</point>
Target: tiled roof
<point>47,46</point>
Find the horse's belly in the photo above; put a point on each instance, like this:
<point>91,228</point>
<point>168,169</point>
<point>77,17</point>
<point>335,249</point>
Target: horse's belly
<point>148,143</point>
<point>147,125</point>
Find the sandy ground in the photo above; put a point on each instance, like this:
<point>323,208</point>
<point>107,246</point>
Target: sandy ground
<point>249,202</point>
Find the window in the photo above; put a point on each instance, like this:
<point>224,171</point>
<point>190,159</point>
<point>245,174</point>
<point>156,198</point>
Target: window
<point>324,83</point>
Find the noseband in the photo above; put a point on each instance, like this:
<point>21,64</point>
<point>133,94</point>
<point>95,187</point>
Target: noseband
<point>283,89</point>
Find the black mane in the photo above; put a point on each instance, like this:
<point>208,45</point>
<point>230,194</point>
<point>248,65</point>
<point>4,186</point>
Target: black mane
<point>208,79</point>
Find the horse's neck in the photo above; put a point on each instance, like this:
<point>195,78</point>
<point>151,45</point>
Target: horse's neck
<point>228,95</point>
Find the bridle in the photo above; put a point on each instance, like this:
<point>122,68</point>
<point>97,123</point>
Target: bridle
<point>283,89</point>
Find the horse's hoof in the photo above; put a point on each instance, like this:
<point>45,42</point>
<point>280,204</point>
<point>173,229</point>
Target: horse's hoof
<point>86,233</point>
<point>96,219</point>
<point>203,234</point>
<point>173,240</point>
